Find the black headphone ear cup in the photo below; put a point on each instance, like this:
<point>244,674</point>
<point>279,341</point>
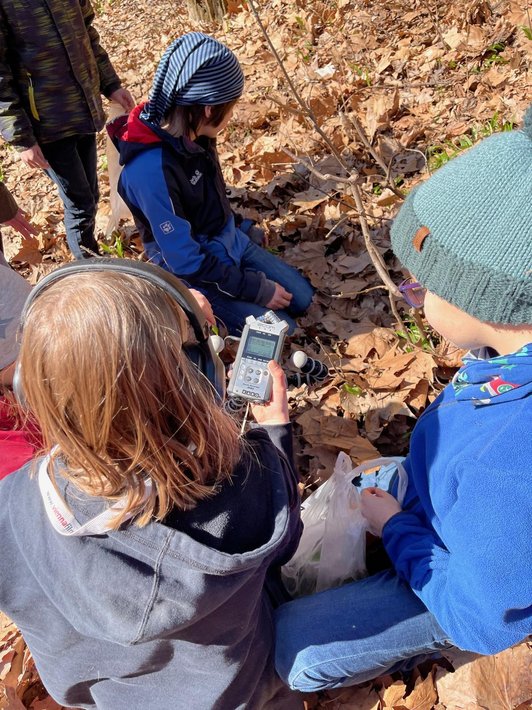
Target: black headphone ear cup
<point>209,364</point>
<point>18,390</point>
<point>194,354</point>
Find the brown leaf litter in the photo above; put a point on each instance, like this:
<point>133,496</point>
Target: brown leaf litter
<point>424,82</point>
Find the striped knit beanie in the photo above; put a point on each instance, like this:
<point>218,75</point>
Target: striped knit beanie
<point>195,69</point>
<point>466,233</point>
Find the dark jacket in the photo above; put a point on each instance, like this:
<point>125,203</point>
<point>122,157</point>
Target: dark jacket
<point>8,205</point>
<point>52,71</point>
<point>176,192</point>
<point>161,617</point>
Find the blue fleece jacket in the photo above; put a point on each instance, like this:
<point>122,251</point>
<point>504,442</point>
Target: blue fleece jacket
<point>463,540</point>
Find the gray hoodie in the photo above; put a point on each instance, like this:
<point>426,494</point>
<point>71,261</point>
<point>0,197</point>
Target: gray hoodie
<point>150,618</point>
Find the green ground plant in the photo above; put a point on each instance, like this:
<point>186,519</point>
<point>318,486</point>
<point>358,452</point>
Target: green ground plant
<point>441,153</point>
<point>414,334</point>
<point>117,246</point>
<point>493,56</point>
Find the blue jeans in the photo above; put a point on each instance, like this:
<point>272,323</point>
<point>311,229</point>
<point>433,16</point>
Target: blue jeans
<point>354,633</point>
<point>233,312</point>
<point>73,169</point>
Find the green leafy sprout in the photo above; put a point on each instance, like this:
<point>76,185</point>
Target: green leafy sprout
<point>441,153</point>
<point>117,247</point>
<point>414,335</point>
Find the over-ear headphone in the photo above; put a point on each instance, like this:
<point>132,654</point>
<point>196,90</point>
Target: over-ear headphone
<point>201,353</point>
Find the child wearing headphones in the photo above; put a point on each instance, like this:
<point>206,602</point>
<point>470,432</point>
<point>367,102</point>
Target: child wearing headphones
<point>173,184</point>
<point>140,555</point>
<point>460,543</point>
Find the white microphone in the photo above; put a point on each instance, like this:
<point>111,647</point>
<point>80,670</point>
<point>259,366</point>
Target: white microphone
<point>314,369</point>
<point>218,344</point>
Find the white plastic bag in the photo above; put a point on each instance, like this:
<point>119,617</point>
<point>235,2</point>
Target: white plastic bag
<point>332,549</point>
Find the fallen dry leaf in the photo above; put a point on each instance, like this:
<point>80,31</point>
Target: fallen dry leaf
<point>499,682</point>
<point>423,696</point>
<point>393,694</point>
<point>9,699</point>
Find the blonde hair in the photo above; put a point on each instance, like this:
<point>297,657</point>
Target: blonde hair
<point>103,370</point>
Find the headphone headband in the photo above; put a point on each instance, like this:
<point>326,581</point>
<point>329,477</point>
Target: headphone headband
<point>202,354</point>
<point>149,272</point>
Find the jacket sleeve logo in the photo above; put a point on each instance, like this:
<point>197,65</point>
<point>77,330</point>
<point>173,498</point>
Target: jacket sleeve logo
<point>166,227</point>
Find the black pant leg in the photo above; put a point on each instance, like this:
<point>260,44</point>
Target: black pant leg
<point>73,169</point>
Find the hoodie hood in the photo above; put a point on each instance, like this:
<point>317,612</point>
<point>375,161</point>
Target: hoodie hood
<point>146,617</point>
<point>176,582</point>
<point>131,129</point>
<point>130,135</point>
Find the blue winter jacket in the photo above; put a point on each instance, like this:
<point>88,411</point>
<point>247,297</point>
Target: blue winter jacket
<point>463,540</point>
<point>171,616</point>
<point>176,192</point>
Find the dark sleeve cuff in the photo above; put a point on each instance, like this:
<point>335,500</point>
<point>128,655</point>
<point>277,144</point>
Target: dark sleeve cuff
<point>281,436</point>
<point>8,205</point>
<point>111,88</point>
<point>265,292</point>
<point>23,143</point>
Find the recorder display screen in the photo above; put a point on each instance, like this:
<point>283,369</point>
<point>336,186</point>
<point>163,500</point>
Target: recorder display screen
<point>262,348</point>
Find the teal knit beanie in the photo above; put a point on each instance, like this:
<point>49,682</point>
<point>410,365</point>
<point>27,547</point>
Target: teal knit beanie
<point>466,233</point>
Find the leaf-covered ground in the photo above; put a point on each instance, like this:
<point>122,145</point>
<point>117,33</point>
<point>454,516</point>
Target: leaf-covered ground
<point>396,91</point>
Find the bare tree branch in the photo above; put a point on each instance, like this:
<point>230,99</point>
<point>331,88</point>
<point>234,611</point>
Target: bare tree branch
<point>436,24</point>
<point>375,155</point>
<point>323,176</point>
<point>307,111</point>
<point>354,189</point>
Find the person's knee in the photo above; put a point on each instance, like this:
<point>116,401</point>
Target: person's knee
<point>291,668</point>
<point>302,295</point>
<point>301,671</point>
<point>297,660</point>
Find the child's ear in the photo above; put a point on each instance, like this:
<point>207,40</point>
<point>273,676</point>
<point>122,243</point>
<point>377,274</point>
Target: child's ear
<point>208,113</point>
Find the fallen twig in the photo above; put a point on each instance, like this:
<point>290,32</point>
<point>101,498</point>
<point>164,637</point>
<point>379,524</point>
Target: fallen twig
<point>354,189</point>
